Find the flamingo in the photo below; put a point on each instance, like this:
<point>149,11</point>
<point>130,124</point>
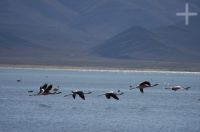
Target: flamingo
<point>45,90</point>
<point>175,88</point>
<point>78,92</point>
<point>112,94</point>
<point>141,86</point>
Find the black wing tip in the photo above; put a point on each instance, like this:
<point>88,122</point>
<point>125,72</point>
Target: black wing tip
<point>141,90</point>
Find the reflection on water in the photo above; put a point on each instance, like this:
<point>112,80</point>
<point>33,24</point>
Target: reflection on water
<point>44,106</point>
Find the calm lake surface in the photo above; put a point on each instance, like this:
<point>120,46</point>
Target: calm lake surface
<point>157,110</point>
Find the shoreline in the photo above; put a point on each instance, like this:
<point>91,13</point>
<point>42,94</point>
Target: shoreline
<point>92,69</point>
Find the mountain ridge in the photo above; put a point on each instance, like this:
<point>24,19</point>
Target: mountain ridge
<point>69,32</point>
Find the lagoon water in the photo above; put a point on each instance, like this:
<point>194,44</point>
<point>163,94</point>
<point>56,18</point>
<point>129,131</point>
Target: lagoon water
<point>157,110</point>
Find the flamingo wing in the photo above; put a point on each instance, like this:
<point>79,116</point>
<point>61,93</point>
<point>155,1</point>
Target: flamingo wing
<point>145,83</point>
<point>81,94</point>
<point>141,90</point>
<point>47,90</point>
<point>107,96</point>
<point>44,86</point>
<point>74,95</point>
<point>114,96</point>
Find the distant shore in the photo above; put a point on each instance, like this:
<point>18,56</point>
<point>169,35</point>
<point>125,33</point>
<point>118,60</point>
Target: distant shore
<point>81,68</point>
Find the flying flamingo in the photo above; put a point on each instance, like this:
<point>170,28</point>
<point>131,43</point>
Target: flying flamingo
<point>175,88</point>
<point>78,92</point>
<point>112,94</point>
<point>141,86</point>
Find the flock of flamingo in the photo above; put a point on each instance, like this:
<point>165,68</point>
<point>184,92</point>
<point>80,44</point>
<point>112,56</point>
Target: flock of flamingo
<point>49,90</point>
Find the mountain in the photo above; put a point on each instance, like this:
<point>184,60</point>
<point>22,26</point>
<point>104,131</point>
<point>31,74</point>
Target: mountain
<point>93,32</point>
<point>135,43</point>
<point>171,43</point>
<point>184,38</point>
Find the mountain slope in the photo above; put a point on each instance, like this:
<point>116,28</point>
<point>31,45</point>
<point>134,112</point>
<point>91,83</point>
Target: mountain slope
<point>184,38</point>
<point>136,43</point>
<point>172,43</point>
